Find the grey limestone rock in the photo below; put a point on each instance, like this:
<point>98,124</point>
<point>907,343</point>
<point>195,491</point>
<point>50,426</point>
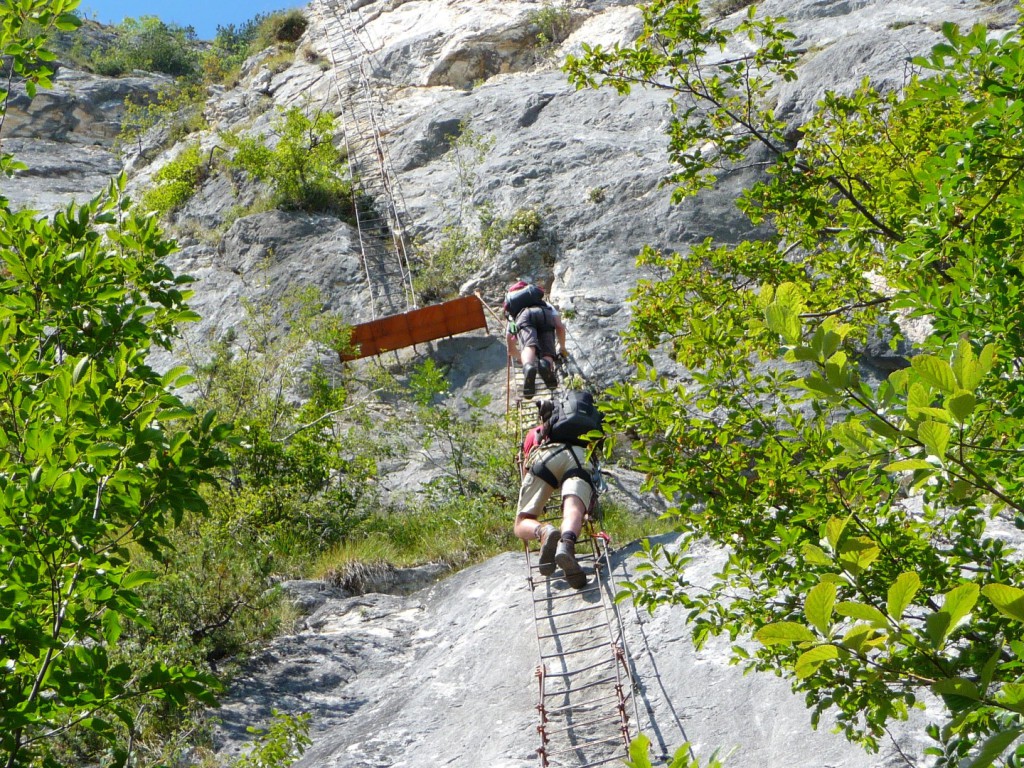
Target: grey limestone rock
<point>447,676</point>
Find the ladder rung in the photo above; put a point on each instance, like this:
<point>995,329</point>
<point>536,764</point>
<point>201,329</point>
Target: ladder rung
<point>583,687</point>
<point>574,593</point>
<point>591,628</point>
<point>581,745</point>
<point>579,707</point>
<point>573,652</point>
<point>574,611</point>
<point>583,724</point>
<point>595,665</point>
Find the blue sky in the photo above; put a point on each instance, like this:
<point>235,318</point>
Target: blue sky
<point>204,15</point>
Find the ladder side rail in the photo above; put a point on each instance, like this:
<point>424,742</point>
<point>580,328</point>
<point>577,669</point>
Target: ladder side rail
<point>612,622</point>
<point>320,7</point>
<point>360,34</point>
<point>625,656</point>
<point>363,140</point>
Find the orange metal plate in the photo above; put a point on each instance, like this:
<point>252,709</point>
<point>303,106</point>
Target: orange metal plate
<point>417,327</point>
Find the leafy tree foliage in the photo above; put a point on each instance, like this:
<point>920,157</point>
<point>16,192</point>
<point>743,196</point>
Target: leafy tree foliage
<point>176,109</point>
<point>176,181</point>
<point>97,457</point>
<point>233,44</point>
<point>305,169</point>
<point>281,743</point>
<point>866,515</point>
<point>149,44</point>
<point>97,453</point>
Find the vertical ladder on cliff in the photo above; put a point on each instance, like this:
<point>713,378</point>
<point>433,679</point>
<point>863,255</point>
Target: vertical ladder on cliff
<point>586,703</point>
<point>380,209</point>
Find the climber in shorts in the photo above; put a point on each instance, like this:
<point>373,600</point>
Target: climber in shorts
<point>536,333</point>
<point>549,465</point>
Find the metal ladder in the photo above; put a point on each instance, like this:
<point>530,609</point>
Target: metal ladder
<point>379,206</point>
<point>586,693</point>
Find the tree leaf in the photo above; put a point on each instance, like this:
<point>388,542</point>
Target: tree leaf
<point>960,601</point>
<point>1008,600</point>
<point>833,530</point>
<point>965,365</point>
<point>783,320</point>
<point>818,606</point>
<point>993,747</point>
<point>815,555</point>
<point>784,632</point>
<point>856,636</point>
<point>857,554</point>
<point>136,579</point>
<point>956,606</point>
<point>865,612</point>
<point>935,371</point>
<point>809,661</point>
<point>961,406</point>
<point>987,358</point>
<point>791,295</point>
<point>918,397</point>
<point>76,376</point>
<point>901,593</point>
<point>1012,695</point>
<point>638,752</point>
<point>956,685</point>
<point>934,436</point>
<point>904,465</point>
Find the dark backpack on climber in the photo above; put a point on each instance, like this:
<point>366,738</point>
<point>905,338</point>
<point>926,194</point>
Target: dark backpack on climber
<point>521,295</point>
<point>575,415</point>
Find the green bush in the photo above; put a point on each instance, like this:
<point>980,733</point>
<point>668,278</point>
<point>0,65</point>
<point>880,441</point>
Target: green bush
<point>278,745</point>
<point>277,28</point>
<point>439,270</point>
<point>305,170</point>
<point>176,182</point>
<point>233,45</point>
<point>149,44</point>
<point>524,224</point>
<point>229,48</point>
<point>553,22</point>
<point>178,107</point>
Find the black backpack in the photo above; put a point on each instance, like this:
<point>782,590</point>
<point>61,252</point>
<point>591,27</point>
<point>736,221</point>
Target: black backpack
<point>520,296</point>
<point>575,415</point>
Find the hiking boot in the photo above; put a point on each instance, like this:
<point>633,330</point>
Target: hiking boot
<point>565,558</point>
<point>548,544</point>
<point>529,380</point>
<point>547,372</point>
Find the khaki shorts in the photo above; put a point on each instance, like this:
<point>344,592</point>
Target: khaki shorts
<point>534,492</point>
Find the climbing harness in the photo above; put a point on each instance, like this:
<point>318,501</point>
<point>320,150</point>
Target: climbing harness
<point>540,469</point>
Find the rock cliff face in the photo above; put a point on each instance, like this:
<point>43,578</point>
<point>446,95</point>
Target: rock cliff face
<point>444,676</point>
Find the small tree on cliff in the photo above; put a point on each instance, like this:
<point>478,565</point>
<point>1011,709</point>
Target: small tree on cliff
<point>892,207</point>
<point>96,452</point>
